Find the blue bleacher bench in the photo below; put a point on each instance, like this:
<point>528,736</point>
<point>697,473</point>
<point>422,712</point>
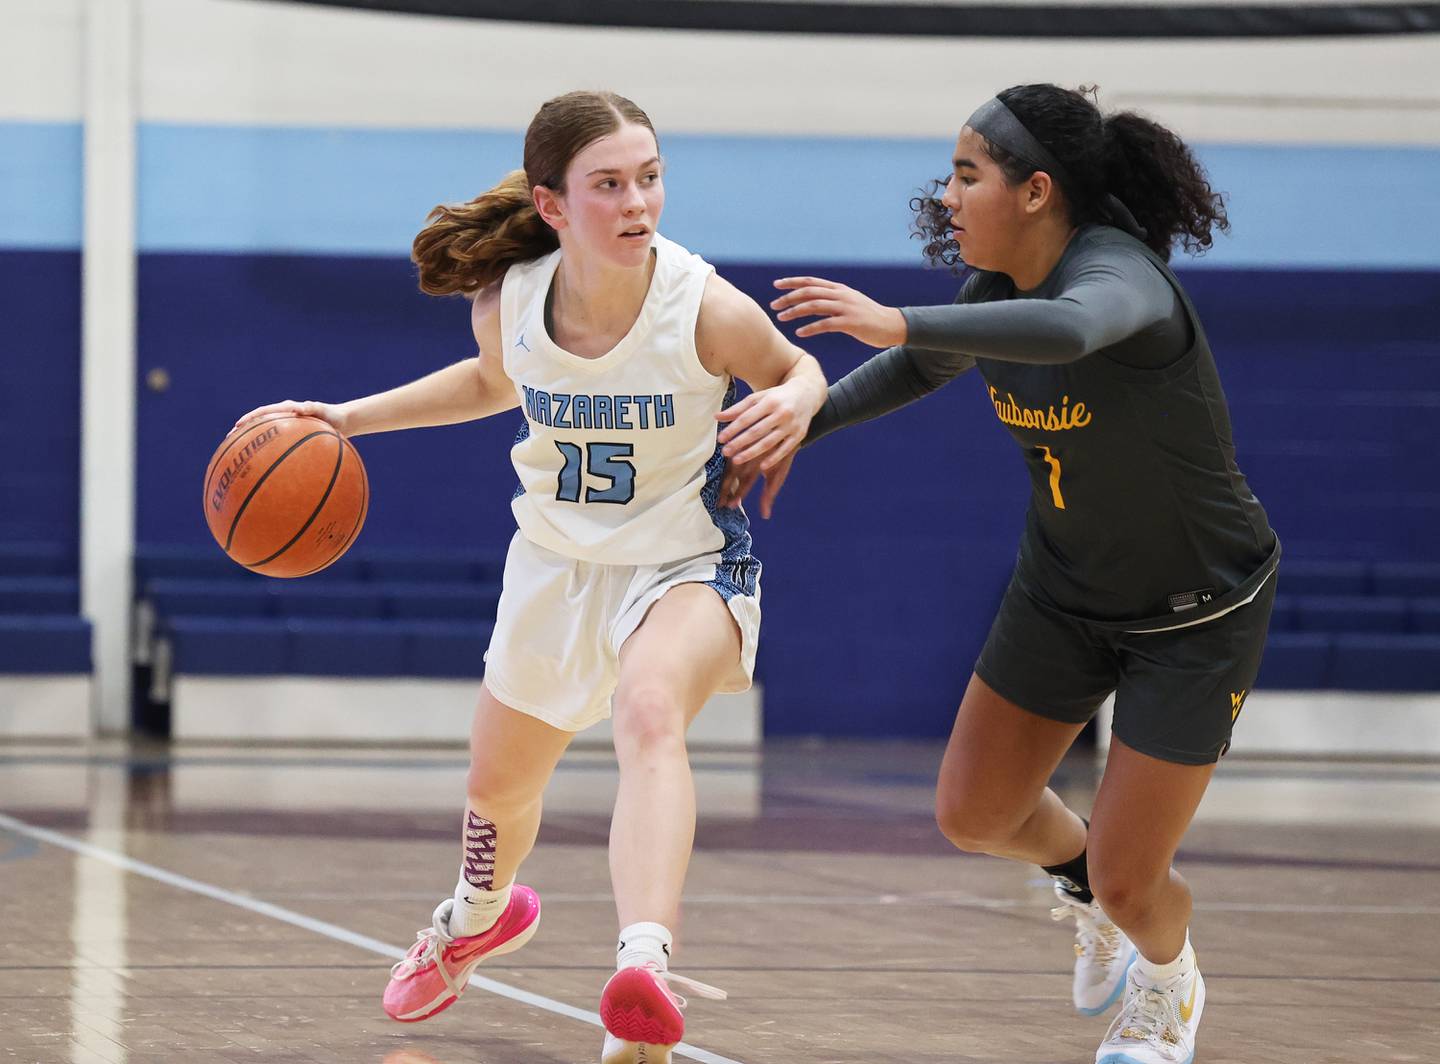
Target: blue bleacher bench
<point>39,645</point>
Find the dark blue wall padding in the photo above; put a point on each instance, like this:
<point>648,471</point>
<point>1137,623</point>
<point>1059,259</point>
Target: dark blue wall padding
<point>44,645</point>
<point>40,397</point>
<point>892,541</point>
<point>1387,662</point>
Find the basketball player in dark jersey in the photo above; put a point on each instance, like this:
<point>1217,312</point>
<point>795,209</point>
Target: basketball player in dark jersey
<point>1147,567</point>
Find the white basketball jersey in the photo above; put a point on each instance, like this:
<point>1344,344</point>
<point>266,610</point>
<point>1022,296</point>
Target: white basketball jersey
<point>617,459</point>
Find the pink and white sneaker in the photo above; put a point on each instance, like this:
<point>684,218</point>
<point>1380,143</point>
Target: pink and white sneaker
<point>642,1015</point>
<point>437,969</point>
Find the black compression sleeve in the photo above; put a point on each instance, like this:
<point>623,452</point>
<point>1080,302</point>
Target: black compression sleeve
<point>892,379</point>
<point>1112,294</point>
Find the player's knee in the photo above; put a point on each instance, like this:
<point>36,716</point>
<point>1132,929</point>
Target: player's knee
<point>480,789</point>
<point>496,794</point>
<point>972,827</point>
<point>1125,892</point>
<point>648,719</point>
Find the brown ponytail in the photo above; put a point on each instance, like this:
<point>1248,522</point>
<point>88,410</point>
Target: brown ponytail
<point>462,249</point>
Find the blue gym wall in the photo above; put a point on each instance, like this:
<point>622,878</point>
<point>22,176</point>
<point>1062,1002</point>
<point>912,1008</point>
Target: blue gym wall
<point>273,265</point>
<point>39,330</point>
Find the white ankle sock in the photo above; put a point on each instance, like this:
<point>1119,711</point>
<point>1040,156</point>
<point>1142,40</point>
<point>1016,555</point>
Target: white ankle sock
<point>477,910</point>
<point>1159,973</point>
<point>642,944</point>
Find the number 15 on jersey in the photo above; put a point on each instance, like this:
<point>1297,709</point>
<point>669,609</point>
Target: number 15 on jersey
<point>603,461</point>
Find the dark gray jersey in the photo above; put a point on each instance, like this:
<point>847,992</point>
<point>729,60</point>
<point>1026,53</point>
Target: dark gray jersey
<point>1139,515</point>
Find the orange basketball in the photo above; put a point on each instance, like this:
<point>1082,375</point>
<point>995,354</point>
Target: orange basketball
<point>286,495</point>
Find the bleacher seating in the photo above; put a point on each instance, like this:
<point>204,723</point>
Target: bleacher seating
<point>1388,662</point>
<point>37,559</point>
<point>1425,615</point>
<point>39,595</point>
<point>372,614</point>
<point>1302,577</point>
<point>1355,626</point>
<point>1406,578</point>
<point>1350,613</point>
<point>280,646</point>
<point>1295,661</point>
<point>45,645</point>
<point>41,631</point>
<point>176,561</point>
<point>1337,624</point>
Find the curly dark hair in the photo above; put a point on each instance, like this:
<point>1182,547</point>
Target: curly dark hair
<point>1149,168</point>
<point>932,225</point>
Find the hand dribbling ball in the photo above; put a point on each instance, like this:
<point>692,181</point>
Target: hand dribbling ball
<point>286,495</point>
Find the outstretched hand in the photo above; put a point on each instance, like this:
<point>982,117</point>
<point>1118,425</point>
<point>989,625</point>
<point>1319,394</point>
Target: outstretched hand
<point>840,309</point>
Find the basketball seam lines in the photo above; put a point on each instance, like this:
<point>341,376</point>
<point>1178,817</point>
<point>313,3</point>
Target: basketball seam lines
<point>334,476</point>
<point>235,522</point>
<point>359,520</point>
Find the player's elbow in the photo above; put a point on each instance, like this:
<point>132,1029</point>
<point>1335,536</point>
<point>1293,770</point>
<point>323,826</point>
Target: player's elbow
<point>1070,343</point>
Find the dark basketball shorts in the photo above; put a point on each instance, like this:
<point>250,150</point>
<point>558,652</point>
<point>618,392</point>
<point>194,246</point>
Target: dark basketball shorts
<point>1177,693</point>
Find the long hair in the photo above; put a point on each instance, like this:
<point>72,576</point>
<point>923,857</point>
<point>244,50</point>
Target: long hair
<point>466,247</point>
<point>1150,169</point>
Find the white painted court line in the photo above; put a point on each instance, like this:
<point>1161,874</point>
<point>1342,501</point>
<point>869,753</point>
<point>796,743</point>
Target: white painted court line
<point>929,900</point>
<point>319,927</point>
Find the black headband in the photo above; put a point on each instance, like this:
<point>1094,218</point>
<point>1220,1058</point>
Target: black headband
<point>999,126</point>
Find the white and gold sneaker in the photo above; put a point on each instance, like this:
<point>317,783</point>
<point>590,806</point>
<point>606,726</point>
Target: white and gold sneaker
<point>1158,1021</point>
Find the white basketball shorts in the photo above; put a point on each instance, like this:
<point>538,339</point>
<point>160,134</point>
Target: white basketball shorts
<point>555,651</point>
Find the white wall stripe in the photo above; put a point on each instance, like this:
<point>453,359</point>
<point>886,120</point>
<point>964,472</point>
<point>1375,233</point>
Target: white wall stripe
<point>319,927</point>
<point>248,63</point>
<point>40,60</point>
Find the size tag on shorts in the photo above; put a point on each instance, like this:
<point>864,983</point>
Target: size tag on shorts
<point>1190,600</point>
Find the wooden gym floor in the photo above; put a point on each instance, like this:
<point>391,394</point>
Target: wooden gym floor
<point>225,905</point>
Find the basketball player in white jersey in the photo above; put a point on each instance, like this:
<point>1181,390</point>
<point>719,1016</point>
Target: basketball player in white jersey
<point>628,591</point>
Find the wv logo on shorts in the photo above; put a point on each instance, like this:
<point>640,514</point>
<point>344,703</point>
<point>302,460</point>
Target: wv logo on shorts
<point>1237,702</point>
